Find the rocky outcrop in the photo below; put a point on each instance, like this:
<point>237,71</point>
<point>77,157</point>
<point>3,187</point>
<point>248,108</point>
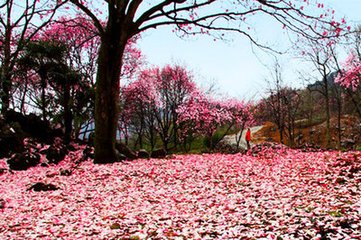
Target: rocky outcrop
<point>23,161</point>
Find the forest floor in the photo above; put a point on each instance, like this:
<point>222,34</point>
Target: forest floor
<point>271,192</point>
<point>275,193</point>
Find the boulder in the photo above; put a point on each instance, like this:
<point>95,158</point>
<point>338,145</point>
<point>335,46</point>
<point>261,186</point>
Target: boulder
<point>39,186</point>
<point>121,157</point>
<point>11,139</point>
<point>142,153</point>
<point>88,152</point>
<point>31,125</point>
<point>91,139</point>
<point>12,116</point>
<point>226,148</point>
<point>3,171</point>
<point>56,152</point>
<point>159,153</point>
<point>125,150</point>
<point>23,161</point>
<point>65,172</point>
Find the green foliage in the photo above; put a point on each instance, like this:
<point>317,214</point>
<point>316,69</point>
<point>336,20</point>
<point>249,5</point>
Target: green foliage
<point>335,213</point>
<point>197,146</point>
<point>210,143</point>
<point>115,226</point>
<point>134,237</point>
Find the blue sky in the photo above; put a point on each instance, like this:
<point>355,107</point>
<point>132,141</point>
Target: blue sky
<point>237,69</point>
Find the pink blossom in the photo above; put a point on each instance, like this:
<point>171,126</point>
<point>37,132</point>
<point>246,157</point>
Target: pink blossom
<point>278,193</point>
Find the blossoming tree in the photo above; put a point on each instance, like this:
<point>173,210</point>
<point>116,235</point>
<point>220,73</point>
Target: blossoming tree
<point>151,103</point>
<point>350,76</point>
<point>125,19</point>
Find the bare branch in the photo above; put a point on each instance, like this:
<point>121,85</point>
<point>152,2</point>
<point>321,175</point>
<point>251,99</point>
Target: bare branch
<point>88,12</point>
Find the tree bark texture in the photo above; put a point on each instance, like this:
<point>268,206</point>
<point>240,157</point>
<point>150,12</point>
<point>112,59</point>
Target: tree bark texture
<point>107,92</point>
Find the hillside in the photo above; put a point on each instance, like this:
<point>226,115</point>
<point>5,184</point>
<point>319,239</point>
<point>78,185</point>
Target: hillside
<point>315,134</point>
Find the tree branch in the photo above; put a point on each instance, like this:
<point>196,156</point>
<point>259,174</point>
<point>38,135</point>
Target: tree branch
<point>87,11</point>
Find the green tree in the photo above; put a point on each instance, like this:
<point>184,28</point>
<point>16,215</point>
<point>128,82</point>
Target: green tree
<point>48,60</point>
<point>20,21</point>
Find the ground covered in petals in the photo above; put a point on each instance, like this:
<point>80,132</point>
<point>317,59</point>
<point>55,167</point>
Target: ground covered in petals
<point>277,194</point>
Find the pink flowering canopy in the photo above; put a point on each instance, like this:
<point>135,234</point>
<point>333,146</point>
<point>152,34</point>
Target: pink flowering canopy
<point>350,76</point>
<point>83,40</point>
<point>276,193</point>
<point>203,115</point>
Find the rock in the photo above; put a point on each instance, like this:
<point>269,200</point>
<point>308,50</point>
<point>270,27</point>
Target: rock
<point>44,164</point>
<point>39,186</point>
<point>355,169</point>
<point>3,171</point>
<point>121,157</point>
<point>23,161</point>
<point>348,143</point>
<point>65,172</point>
<point>115,226</point>
<point>159,153</point>
<point>88,152</point>
<point>344,223</point>
<point>226,148</point>
<point>126,151</point>
<point>11,139</point>
<point>56,153</point>
<point>309,148</point>
<point>263,149</point>
<point>142,153</point>
<point>13,116</point>
<point>2,203</point>
<point>91,139</point>
<point>71,148</point>
<point>32,125</point>
<point>340,180</point>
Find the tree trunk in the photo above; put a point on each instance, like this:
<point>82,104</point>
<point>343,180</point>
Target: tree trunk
<point>339,115</point>
<point>281,130</point>
<point>238,138</point>
<point>23,98</point>
<point>43,95</point>
<point>355,102</point>
<point>5,70</point>
<point>68,118</point>
<point>328,117</point>
<point>107,94</point>
<point>5,84</point>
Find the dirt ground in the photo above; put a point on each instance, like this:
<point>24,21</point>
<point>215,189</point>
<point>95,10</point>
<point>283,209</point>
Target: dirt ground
<point>315,135</point>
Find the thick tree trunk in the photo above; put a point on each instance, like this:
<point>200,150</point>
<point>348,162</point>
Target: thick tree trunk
<point>107,96</point>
